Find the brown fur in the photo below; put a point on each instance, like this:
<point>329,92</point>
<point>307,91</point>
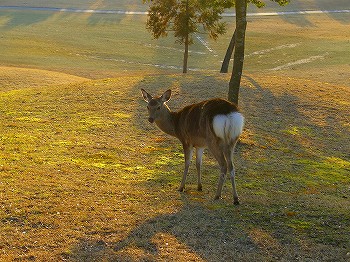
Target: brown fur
<point>192,120</point>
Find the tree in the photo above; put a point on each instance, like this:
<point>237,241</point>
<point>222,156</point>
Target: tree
<point>226,62</point>
<point>184,18</point>
<point>237,44</point>
<point>241,24</point>
<point>231,46</point>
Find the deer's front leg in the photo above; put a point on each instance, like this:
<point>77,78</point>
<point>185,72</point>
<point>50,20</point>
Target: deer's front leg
<point>188,150</point>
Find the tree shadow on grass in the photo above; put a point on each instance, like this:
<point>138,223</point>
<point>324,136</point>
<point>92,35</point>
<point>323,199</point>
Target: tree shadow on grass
<point>105,20</point>
<point>289,117</point>
<point>17,19</point>
<point>297,19</point>
<point>299,144</point>
<point>342,18</point>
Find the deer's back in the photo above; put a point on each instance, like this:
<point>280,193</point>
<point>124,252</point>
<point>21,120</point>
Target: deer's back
<point>193,122</point>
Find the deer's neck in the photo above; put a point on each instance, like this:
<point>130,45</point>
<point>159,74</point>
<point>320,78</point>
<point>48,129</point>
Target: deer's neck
<point>166,121</point>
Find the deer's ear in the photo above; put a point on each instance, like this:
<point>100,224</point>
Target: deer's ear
<point>166,96</point>
<point>147,97</point>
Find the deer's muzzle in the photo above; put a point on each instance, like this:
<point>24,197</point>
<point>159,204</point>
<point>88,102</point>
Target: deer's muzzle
<point>151,120</point>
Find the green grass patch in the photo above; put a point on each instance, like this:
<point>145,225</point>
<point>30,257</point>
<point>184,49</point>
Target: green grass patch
<point>331,170</point>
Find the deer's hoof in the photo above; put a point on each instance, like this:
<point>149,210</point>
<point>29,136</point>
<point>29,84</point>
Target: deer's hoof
<point>181,189</point>
<point>199,188</point>
<point>235,201</point>
<point>217,197</point>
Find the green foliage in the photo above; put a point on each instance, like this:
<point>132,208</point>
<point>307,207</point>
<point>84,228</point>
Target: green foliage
<point>186,17</point>
<point>281,2</point>
<point>257,3</point>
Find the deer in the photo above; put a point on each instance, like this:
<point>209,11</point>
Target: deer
<point>215,124</point>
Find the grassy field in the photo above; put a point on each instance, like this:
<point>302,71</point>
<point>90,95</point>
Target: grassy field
<point>85,177</point>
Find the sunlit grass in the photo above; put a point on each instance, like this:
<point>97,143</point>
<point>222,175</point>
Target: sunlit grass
<point>81,167</point>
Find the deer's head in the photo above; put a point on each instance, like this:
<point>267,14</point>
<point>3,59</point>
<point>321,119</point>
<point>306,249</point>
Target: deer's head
<point>156,105</point>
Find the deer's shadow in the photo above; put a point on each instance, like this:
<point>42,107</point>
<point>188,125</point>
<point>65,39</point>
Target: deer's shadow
<point>207,232</point>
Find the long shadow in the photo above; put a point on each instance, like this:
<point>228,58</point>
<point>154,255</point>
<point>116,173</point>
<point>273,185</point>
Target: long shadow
<point>264,104</point>
<point>23,18</point>
<point>221,234</point>
<point>300,5</point>
<point>18,18</point>
<point>343,18</point>
<point>211,235</point>
<point>298,20</point>
<point>106,20</point>
<point>208,233</point>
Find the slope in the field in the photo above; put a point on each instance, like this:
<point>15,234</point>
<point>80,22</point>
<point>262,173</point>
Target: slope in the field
<point>19,78</point>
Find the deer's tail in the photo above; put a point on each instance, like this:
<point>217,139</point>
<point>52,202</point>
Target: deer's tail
<point>228,127</point>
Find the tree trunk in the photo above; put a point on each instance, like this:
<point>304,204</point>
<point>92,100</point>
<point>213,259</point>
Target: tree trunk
<point>241,24</point>
<point>228,55</point>
<point>184,68</point>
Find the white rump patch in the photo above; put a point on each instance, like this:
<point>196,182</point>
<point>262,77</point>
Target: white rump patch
<point>228,127</point>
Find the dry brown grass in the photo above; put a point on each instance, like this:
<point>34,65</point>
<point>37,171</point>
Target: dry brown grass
<point>84,177</point>
<point>19,78</point>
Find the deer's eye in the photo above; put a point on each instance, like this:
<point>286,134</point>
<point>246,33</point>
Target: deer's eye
<point>158,108</point>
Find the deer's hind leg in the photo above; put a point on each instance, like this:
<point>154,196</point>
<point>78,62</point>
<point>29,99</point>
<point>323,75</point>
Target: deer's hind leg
<point>222,178</point>
<point>199,154</point>
<point>217,151</point>
<point>228,152</point>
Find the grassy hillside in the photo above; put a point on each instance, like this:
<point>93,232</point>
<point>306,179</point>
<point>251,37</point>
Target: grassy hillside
<point>104,45</point>
<point>84,176</point>
<point>20,78</point>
